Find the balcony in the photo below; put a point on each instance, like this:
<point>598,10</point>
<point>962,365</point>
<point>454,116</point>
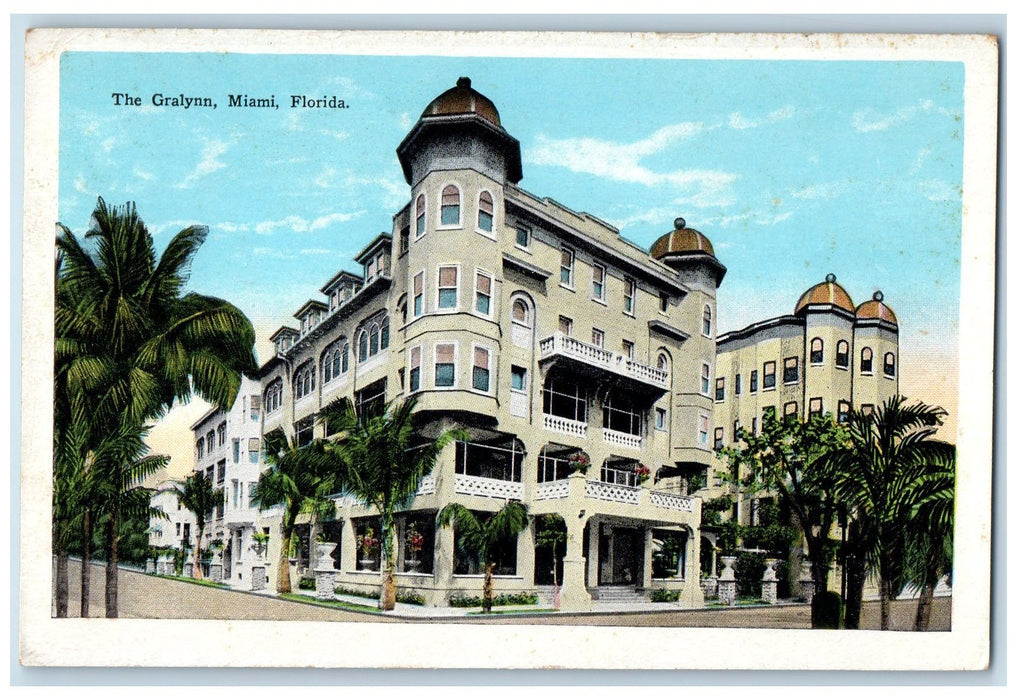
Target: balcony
<point>616,437</point>
<point>565,426</point>
<point>617,493</point>
<point>240,516</point>
<point>586,359</point>
<point>488,488</point>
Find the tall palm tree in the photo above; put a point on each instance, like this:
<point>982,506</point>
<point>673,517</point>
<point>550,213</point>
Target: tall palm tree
<point>890,451</point>
<point>296,478</point>
<point>929,537</point>
<point>482,535</point>
<point>380,458</point>
<point>199,495</point>
<point>129,340</point>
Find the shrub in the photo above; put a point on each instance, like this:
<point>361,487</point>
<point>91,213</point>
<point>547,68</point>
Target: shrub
<point>826,611</point>
<point>504,599</point>
<point>306,584</point>
<point>663,595</point>
<point>749,574</point>
<point>410,598</point>
<point>342,590</point>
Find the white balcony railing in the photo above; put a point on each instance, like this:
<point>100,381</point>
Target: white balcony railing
<point>567,346</point>
<point>488,488</point>
<point>616,437</point>
<point>565,426</point>
<point>427,486</point>
<point>672,501</point>
<point>613,492</point>
<point>552,489</point>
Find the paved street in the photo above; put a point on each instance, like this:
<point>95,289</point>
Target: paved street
<point>143,596</point>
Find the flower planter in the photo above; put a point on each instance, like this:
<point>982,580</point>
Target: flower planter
<point>412,565</point>
<point>368,565</point>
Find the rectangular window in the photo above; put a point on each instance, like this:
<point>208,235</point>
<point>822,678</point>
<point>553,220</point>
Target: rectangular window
<point>791,370</point>
<point>201,448</point>
<point>444,365</point>
<point>418,294</point>
<point>630,295</point>
<point>404,240</point>
<point>481,369</point>
<point>815,407</point>
<point>178,529</point>
<point>522,237</point>
<point>629,349</point>
<point>305,431</point>
<point>843,411</point>
<point>769,375</point>
<point>518,378</point>
<point>738,385</point>
<point>791,408</point>
<point>660,418</point>
<point>755,425</point>
<point>483,300</point>
<point>220,472</point>
<point>236,451</point>
<point>598,282</point>
<point>720,389</point>
<point>415,369</point>
<point>754,381</point>
<point>255,407</point>
<point>448,289</point>
<point>735,430</point>
<point>718,438</point>
<point>253,450</point>
<point>597,337</point>
<point>663,302</point>
<point>704,387</point>
<point>704,430</point>
<point>565,325</point>
<point>567,260</point>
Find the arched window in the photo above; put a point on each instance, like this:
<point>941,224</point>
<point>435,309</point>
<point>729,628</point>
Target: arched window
<point>707,321</point>
<point>273,400</point>
<point>866,364</point>
<point>345,357</point>
<point>816,351</point>
<point>663,362</point>
<point>375,337</point>
<point>889,364</point>
<point>384,333</point>
<point>362,346</point>
<point>485,212</point>
<point>303,380</point>
<point>332,360</point>
<point>521,312</point>
<point>421,216</point>
<point>450,206</point>
<point>843,350</point>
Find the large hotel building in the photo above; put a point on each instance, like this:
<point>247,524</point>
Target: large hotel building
<point>551,341</point>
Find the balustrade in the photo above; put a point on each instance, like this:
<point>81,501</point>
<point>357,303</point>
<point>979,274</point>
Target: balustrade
<point>594,355</point>
<point>552,489</point>
<point>616,437</point>
<point>566,426</point>
<point>488,488</point>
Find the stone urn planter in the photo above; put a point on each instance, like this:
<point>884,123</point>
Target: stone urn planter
<point>324,551</point>
<point>770,581</point>
<point>368,565</point>
<point>412,565</point>
<point>727,587</point>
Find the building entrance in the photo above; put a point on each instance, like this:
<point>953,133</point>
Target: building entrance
<point>621,556</point>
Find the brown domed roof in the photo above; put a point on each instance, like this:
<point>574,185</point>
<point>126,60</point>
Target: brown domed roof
<point>462,99</point>
<point>875,308</point>
<point>826,292</point>
<point>681,241</point>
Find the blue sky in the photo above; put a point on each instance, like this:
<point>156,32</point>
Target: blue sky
<point>793,169</point>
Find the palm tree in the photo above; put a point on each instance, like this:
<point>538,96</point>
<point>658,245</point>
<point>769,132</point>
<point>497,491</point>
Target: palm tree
<point>296,479</point>
<point>890,451</point>
<point>929,537</point>
<point>198,495</point>
<point>380,458</point>
<point>129,342</point>
<point>483,534</point>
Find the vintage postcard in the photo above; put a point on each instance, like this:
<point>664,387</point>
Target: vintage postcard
<point>508,350</point>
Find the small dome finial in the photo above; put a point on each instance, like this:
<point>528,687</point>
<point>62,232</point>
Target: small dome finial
<point>831,278</point>
<point>463,82</point>
<point>679,224</point>
<point>878,296</point>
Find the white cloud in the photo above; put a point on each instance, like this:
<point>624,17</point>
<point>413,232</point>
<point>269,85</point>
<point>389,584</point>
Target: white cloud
<point>79,184</point>
<point>338,135</point>
<point>919,161</point>
<point>208,164</point>
<point>108,143</point>
<point>621,161</point>
<point>939,191</point>
<point>315,251</point>
<point>325,178</point>
<point>299,224</point>
<point>866,120</point>
<point>406,121</point>
<point>738,121</point>
<point>273,253</point>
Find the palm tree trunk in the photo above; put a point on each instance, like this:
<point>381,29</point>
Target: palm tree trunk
<point>488,587</point>
<point>884,593</point>
<point>924,611</point>
<point>854,570</point>
<point>196,574</point>
<point>112,557</point>
<point>388,589</point>
<point>283,583</point>
<point>62,582</point>
<point>86,562</point>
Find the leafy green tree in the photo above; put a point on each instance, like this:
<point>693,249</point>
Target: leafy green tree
<point>129,342</point>
<point>785,457</point>
<point>379,457</point>
<point>482,534</point>
<point>891,471</point>
<point>199,495</point>
<point>551,533</point>
<point>296,479</point>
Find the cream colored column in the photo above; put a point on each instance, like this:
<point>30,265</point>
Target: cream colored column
<point>525,555</point>
<point>593,555</point>
<point>348,555</point>
<point>647,577</point>
<point>444,537</point>
<point>692,592</point>
<point>574,596</point>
